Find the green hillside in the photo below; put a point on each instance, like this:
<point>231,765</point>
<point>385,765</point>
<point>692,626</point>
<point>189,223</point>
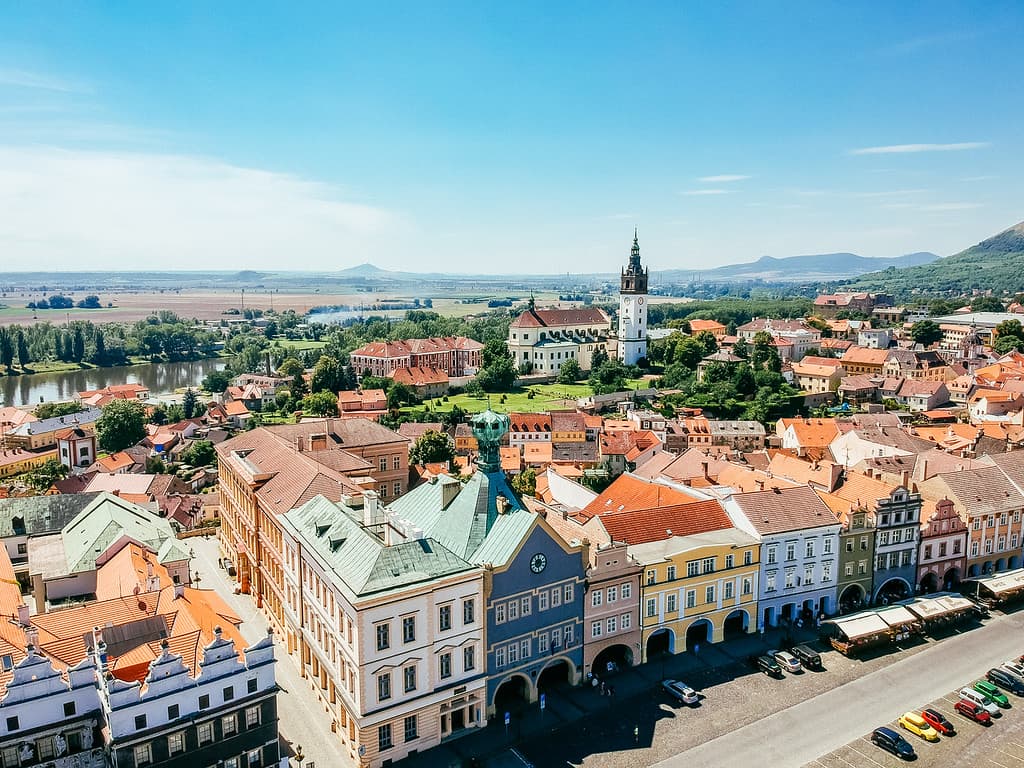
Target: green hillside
<point>996,263</point>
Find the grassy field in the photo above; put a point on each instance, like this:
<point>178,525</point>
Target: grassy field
<point>546,397</point>
<point>300,345</point>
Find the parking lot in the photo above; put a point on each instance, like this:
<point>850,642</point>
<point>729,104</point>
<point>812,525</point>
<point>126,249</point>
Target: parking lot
<point>1000,745</point>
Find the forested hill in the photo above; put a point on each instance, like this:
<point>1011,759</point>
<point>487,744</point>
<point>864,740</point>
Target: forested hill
<point>996,263</point>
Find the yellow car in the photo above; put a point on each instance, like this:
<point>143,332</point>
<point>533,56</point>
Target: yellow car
<point>914,723</point>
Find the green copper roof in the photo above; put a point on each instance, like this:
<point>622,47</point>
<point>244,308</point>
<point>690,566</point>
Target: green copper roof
<point>361,560</point>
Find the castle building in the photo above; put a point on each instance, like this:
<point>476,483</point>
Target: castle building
<point>633,309</point>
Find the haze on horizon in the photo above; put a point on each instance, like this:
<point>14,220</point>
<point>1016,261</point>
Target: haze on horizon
<point>491,139</point>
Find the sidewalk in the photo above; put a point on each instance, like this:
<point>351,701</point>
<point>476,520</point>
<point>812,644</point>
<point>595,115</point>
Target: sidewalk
<point>565,706</point>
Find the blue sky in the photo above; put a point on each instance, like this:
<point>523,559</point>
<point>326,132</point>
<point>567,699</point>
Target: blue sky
<point>503,137</point>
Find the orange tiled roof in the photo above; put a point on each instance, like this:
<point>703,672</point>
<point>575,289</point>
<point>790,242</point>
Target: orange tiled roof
<point>629,492</point>
<point>645,525</point>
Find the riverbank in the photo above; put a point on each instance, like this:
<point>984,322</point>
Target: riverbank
<point>59,366</point>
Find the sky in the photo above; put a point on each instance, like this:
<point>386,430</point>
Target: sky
<point>526,137</point>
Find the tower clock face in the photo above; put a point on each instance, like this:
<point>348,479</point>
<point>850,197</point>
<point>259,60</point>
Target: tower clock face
<point>538,563</point>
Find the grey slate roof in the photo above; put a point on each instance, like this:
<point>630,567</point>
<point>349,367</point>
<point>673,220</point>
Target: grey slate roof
<point>361,560</point>
<point>41,514</point>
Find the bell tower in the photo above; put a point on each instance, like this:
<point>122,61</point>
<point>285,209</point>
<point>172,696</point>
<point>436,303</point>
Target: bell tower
<point>633,308</point>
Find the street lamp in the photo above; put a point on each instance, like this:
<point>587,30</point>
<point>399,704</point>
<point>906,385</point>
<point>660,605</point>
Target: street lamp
<point>299,757</point>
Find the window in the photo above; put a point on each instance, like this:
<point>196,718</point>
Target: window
<point>396,461</point>
<point>809,549</point>
<point>204,733</point>
<point>513,610</point>
<point>988,546</point>
<point>176,743</point>
<point>627,591</point>
<point>542,601</point>
<point>384,686</point>
<point>708,565</point>
<point>173,712</point>
<point>849,569</point>
<point>410,728</point>
<point>770,558</point>
<point>569,635</point>
<point>612,624</point>
<point>746,586</point>
<point>613,594</point>
<point>928,552</point>
<point>499,657</point>
<point>809,574</point>
<point>596,597</point>
<point>849,545</point>
<point>652,610</point>
<point>974,549</point>
<point>977,524</point>
<point>880,562</point>
<point>769,582</point>
<point>468,611</point>
<point>382,463</point>
<point>692,568</point>
<point>862,567</point>
<point>826,546</point>
<point>905,557</point>
<point>791,550</point>
<point>990,521</point>
<point>469,659</point>
<point>384,737</point>
<point>569,592</point>
<point>1001,544</point>
<point>1013,541</point>
<point>383,636</point>
<point>709,594</point>
<point>254,759</point>
<point>229,725</point>
<point>229,693</point>
<point>444,617</point>
<point>525,606</point>
<point>790,579</point>
<point>408,629</point>
<point>730,561</point>
<point>69,708</point>
<point>143,755</point>
<point>671,602</point>
<point>826,571</point>
<point>671,573</point>
<point>542,642</point>
<point>252,716</point>
<point>44,748</point>
<point>596,628</point>
<point>556,597</point>
<point>691,598</point>
<point>863,542</point>
<point>230,762</point>
<point>626,620</point>
<point>883,538</point>
<point>897,536</point>
<point>894,559</point>
<point>9,757</point>
<point>446,665</point>
<point>409,678</point>
<point>499,613</point>
<point>513,653</point>
<point>651,576</point>
<point>727,590</point>
<point>396,489</point>
<point>140,722</point>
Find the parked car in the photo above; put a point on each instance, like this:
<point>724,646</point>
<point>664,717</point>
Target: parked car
<point>1016,667</point>
<point>973,711</point>
<point>990,690</point>
<point>766,664</point>
<point>938,721</point>
<point>1006,680</point>
<point>981,700</point>
<point>807,656</point>
<point>787,661</point>
<point>681,691</point>
<point>913,722</point>
<point>889,740</point>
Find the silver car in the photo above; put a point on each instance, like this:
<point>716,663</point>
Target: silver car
<point>681,691</point>
<point>787,661</point>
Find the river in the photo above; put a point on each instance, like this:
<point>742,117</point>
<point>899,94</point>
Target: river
<point>159,377</point>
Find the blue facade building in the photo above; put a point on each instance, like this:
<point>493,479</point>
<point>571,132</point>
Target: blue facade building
<point>533,580</point>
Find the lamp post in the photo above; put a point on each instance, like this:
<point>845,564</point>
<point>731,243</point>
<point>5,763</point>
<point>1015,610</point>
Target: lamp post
<point>299,757</point>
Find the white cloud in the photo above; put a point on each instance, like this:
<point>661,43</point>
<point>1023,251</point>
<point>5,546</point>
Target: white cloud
<point>23,78</point>
<point>706,192</point>
<point>76,209</point>
<point>724,178</point>
<point>897,149</point>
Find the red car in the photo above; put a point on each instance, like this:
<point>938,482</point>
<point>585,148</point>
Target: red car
<point>973,712</point>
<point>938,721</point>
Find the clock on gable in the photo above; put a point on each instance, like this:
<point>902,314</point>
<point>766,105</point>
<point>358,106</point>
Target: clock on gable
<point>538,563</point>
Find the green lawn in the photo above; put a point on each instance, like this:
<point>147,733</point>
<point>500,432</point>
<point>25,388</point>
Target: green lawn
<point>546,397</point>
<point>300,345</point>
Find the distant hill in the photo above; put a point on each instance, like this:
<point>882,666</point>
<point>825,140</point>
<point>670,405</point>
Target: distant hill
<point>996,263</point>
<point>822,266</point>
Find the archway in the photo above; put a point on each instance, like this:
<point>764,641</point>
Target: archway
<point>619,656</point>
<point>1001,564</point>
<point>851,598</point>
<point>736,624</point>
<point>987,567</point>
<point>512,695</point>
<point>974,570</point>
<point>769,617</point>
<point>930,582</point>
<point>698,633</point>
<point>1014,562</point>
<point>661,642</point>
<point>788,613</point>
<point>951,579</point>
<point>557,673</point>
<point>893,590</point>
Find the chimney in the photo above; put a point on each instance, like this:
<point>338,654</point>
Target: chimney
<point>760,485</point>
<point>370,506</point>
<point>704,470</point>
<point>501,503</point>
<point>179,591</point>
<point>298,444</point>
<point>450,488</point>
<point>23,616</point>
<point>318,442</point>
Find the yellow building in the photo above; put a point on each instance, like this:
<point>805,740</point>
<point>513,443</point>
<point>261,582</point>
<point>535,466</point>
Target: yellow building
<point>14,461</point>
<point>697,589</point>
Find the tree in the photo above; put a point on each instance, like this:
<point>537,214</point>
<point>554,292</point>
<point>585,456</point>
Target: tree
<point>51,410</point>
<point>158,415</point>
<point>299,386</point>
<point>290,366</point>
<point>499,372</point>
<point>987,304</point>
<point>44,476</point>
<point>216,382</point>
<point>740,348</point>
<point>599,357</point>
<point>400,395</point>
<point>6,348</point>
<point>320,404</point>
<point>329,375</point>
<point>122,425</point>
<point>100,355</point>
<point>926,332</point>
<point>610,376</point>
<point>24,358</point>
<point>189,403</point>
<point>432,448</point>
<point>569,372</point>
<point>525,483</point>
<point>199,453</point>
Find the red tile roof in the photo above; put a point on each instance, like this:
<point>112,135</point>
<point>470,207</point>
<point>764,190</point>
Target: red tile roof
<point>544,318</point>
<point>642,526</point>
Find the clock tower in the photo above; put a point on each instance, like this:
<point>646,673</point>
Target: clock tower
<point>633,309</point>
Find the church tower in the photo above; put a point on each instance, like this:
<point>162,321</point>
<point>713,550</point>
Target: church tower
<point>633,309</point>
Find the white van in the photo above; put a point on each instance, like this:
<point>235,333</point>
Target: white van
<point>981,700</point>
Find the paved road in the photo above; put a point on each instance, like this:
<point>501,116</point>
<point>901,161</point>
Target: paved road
<point>799,734</point>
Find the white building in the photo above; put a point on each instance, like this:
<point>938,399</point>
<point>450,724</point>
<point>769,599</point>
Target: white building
<point>542,340</point>
<point>391,630</point>
<point>799,551</point>
<point>633,309</point>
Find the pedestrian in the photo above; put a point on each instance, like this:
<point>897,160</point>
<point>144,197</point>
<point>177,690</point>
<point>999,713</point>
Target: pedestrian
<point>696,648</point>
<point>611,690</point>
<point>636,734</point>
<point>602,687</point>
<point>593,682</point>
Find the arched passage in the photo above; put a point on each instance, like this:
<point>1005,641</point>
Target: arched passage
<point>974,570</point>
<point>736,624</point>
<point>662,641</point>
<point>698,633</point>
<point>930,582</point>
<point>1001,564</point>
<point>512,695</point>
<point>851,598</point>
<point>1014,562</point>
<point>558,672</point>
<point>619,656</point>
<point>894,589</point>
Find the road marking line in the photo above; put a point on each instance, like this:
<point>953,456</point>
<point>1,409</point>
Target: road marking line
<point>998,763</point>
<point>865,755</point>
